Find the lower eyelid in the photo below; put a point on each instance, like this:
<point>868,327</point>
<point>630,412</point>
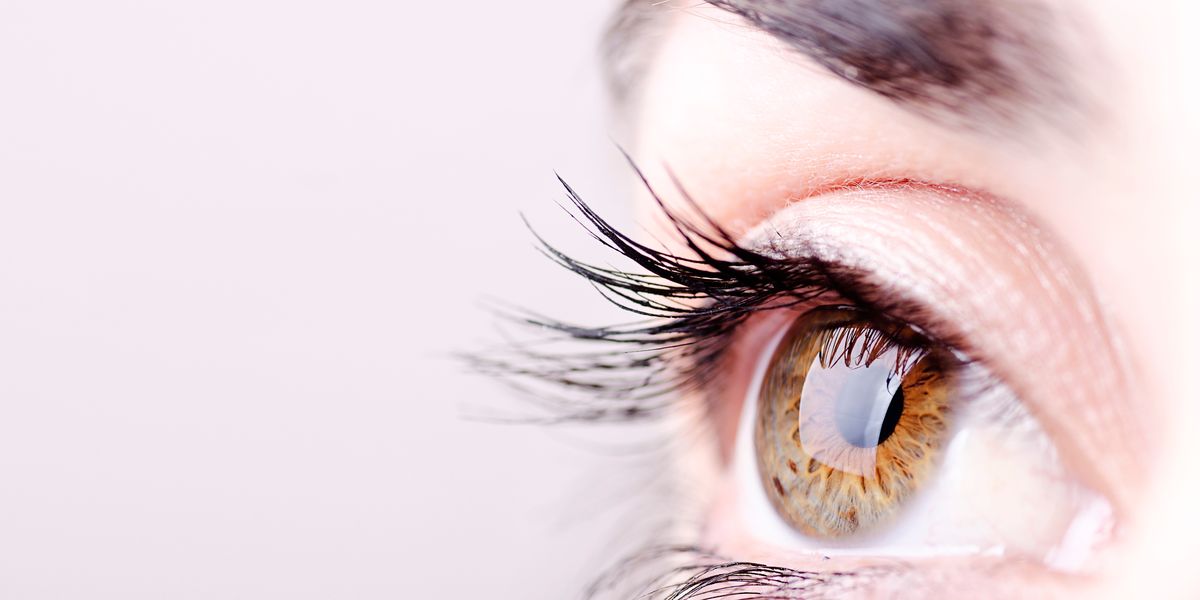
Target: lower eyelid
<point>896,576</point>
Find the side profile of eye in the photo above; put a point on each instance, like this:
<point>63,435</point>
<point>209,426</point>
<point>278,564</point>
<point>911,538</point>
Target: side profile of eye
<point>851,416</point>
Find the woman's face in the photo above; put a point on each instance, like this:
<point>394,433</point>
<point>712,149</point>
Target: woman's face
<point>1001,192</point>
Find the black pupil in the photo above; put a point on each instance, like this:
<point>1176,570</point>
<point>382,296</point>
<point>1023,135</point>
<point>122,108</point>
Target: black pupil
<point>892,417</point>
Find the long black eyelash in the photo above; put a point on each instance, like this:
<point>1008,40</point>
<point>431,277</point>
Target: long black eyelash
<point>688,306</point>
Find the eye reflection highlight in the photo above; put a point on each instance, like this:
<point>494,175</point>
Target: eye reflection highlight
<point>852,414</point>
<point>869,397</point>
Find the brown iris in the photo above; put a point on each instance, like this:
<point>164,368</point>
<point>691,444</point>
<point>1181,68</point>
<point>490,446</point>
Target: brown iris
<point>852,413</point>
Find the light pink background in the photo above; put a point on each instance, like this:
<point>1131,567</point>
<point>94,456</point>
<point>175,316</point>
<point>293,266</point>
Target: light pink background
<point>237,240</point>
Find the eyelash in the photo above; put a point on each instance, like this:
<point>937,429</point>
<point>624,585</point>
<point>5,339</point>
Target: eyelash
<point>690,306</point>
<point>693,574</point>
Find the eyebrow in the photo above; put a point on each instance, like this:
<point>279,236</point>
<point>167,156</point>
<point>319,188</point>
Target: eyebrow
<point>981,60</point>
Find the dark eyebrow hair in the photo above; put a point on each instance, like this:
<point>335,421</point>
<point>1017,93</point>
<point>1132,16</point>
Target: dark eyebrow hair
<point>980,60</point>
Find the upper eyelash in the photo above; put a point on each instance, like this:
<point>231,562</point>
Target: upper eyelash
<point>691,305</point>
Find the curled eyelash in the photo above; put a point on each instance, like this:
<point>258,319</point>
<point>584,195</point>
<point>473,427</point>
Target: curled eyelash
<point>688,305</point>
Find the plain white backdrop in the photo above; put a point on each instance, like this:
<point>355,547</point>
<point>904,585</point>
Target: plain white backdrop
<point>238,240</point>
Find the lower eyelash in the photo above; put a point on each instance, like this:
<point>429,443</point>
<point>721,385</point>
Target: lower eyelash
<point>689,573</point>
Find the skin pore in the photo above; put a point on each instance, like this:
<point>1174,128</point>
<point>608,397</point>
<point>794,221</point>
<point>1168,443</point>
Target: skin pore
<point>1046,234</point>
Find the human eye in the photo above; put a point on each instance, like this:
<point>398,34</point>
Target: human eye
<point>864,422</point>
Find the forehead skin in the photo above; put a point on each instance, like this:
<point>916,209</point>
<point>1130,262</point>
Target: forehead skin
<point>747,125</point>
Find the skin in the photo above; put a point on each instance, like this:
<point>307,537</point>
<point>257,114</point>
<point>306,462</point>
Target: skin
<point>1093,318</point>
